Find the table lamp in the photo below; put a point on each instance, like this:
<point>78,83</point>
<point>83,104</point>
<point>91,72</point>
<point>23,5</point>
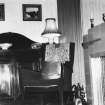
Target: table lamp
<point>51,31</point>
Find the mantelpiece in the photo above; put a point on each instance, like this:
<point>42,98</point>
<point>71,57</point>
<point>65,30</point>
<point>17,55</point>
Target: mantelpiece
<point>95,40</point>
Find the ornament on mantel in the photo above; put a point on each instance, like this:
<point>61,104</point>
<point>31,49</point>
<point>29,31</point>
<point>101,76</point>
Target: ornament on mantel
<point>92,22</point>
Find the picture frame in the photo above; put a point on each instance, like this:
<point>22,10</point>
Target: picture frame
<point>2,12</point>
<point>32,12</point>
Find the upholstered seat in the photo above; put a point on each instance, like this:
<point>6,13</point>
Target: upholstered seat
<point>34,82</point>
<point>42,79</point>
<point>35,79</point>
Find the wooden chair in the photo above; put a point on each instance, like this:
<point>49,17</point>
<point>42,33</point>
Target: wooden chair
<point>34,81</point>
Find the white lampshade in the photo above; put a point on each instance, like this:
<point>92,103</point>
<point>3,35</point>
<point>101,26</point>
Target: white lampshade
<point>51,30</point>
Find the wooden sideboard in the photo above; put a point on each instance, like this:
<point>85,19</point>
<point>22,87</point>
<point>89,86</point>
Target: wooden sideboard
<point>29,62</point>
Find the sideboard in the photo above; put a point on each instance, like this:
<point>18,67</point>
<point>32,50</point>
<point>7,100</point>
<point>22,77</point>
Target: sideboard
<point>26,64</point>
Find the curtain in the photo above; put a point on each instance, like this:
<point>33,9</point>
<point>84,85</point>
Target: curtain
<point>97,72</point>
<point>69,22</point>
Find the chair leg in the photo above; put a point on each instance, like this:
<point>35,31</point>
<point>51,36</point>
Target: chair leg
<point>41,99</point>
<point>60,95</point>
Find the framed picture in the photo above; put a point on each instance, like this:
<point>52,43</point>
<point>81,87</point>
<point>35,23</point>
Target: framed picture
<point>2,12</point>
<point>32,12</point>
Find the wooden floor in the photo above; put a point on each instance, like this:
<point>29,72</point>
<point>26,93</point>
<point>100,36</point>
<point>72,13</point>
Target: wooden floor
<point>50,98</point>
<point>33,99</point>
<point>41,99</point>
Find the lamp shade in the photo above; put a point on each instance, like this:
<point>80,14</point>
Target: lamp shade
<point>51,29</point>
